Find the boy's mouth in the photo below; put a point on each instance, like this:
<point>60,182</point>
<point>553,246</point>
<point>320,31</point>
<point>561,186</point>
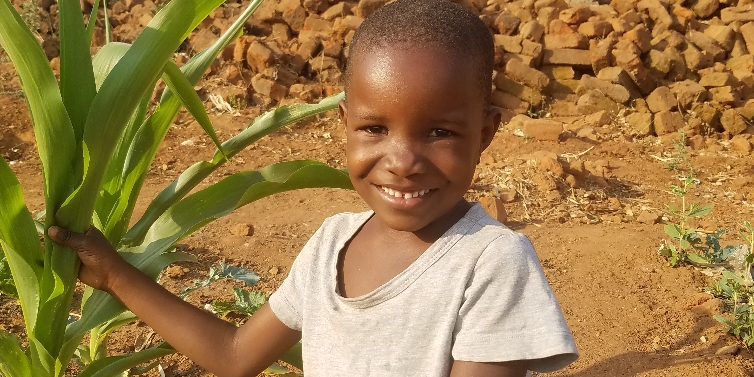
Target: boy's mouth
<point>405,194</point>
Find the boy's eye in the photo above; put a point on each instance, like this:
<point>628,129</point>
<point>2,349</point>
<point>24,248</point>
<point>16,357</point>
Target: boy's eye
<point>439,132</point>
<point>375,129</point>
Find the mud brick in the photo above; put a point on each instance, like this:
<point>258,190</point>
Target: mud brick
<point>567,56</point>
<point>541,4</point>
<point>682,12</point>
<point>510,102</point>
<point>717,79</point>
<point>532,49</point>
<point>632,18</point>
<point>322,63</point>
<point>668,38</point>
<point>723,35</point>
<point>708,114</point>
<point>622,7</point>
<point>543,129</point>
<point>616,75</point>
<point>532,31</point>
<point>259,57</point>
<point>546,15</point>
<point>593,101</point>
<point>745,82</point>
<point>707,44</point>
<point>739,47</point>
<point>242,44</point>
<point>641,123</point>
<point>601,56</point>
<point>527,60</point>
<point>309,47</point>
<point>725,95</point>
<point>732,122</point>
<point>678,64</point>
<point>658,63</point>
<point>688,92</point>
<point>656,11</point>
<point>559,27</point>
<point>667,122</point>
<point>268,88</point>
<point>619,25</point>
<point>558,71</point>
<point>571,40</point>
<point>560,87</point>
<point>627,46</point>
<point>315,6</point>
<point>747,32</point>
<point>522,92</point>
<point>575,15</point>
<point>337,10</point>
<point>597,28</point>
<point>293,13</point>
<point>661,99</point>
<point>739,14</point>
<point>631,63</point>
<point>526,75</point>
<point>743,62</point>
<point>706,8</point>
<point>367,7</point>
<point>615,92</point>
<point>507,23</point>
<point>508,43</point>
<point>740,144</point>
<point>696,59</point>
<point>641,37</point>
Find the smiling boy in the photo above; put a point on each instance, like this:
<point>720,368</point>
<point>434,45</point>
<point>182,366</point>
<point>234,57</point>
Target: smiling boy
<point>424,284</point>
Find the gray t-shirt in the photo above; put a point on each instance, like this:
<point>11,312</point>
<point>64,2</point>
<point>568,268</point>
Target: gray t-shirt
<point>477,294</point>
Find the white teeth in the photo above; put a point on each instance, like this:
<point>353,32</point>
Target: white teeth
<point>404,195</point>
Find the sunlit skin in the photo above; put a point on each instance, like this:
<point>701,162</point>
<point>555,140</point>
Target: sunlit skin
<point>416,122</point>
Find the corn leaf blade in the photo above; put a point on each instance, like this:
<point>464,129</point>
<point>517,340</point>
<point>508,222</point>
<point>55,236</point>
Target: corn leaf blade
<point>76,75</point>
<point>20,244</point>
<point>13,361</point>
<point>114,365</point>
<point>184,90</point>
<point>187,181</point>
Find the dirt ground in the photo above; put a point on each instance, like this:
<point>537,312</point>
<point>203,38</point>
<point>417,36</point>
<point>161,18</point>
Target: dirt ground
<point>631,314</point>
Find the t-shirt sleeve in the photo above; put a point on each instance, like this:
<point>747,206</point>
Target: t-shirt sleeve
<point>287,302</point>
<point>510,313</point>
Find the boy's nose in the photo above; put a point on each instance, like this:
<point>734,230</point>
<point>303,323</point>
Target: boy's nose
<point>404,159</point>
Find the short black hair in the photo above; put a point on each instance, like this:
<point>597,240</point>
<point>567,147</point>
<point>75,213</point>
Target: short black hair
<point>428,23</point>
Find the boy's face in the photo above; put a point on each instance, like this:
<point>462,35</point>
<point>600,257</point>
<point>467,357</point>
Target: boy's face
<point>416,124</point>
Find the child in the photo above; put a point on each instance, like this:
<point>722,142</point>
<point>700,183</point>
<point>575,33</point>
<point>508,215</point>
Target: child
<point>425,284</point>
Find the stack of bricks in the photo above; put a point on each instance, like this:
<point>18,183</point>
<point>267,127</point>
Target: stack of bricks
<point>672,66</point>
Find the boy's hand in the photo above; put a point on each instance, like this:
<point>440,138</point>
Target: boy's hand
<point>100,263</point>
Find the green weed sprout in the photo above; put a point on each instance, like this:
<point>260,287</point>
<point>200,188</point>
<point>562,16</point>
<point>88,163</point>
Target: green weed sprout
<point>738,296</point>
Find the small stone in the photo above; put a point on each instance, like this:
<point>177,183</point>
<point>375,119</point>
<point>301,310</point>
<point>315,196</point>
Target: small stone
<point>274,270</point>
<point>494,208</point>
<point>661,99</point>
<point>243,230</point>
<point>543,129</point>
<point>648,218</point>
<point>741,144</point>
<point>641,122</point>
<point>668,122</point>
<point>507,196</point>
<point>732,122</point>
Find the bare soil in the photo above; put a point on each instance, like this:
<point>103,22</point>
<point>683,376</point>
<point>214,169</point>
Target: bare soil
<point>631,314</point>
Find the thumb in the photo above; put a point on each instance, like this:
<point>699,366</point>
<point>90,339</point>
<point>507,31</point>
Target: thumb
<point>65,237</point>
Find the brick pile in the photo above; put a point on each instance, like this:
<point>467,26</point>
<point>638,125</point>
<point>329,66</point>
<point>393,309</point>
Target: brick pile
<point>663,65</point>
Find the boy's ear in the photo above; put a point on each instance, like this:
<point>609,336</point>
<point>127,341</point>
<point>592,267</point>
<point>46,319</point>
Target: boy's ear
<point>491,125</point>
<point>343,111</point>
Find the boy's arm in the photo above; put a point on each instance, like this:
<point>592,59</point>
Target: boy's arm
<point>218,346</point>
<point>474,369</point>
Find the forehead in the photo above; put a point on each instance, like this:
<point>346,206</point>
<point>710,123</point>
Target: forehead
<point>416,74</point>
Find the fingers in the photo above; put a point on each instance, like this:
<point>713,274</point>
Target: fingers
<point>76,241</point>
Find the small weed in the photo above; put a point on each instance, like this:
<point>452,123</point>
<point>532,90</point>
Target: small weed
<point>7,287</point>
<point>235,102</point>
<point>738,297</point>
<point>30,14</point>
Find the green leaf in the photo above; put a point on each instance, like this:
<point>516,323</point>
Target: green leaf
<point>150,135</point>
<point>223,271</point>
<point>184,90</point>
<point>76,74</point>
<point>246,303</point>
<point>120,93</point>
<point>673,230</point>
<point>20,244</point>
<point>13,361</point>
<point>697,258</point>
<point>113,365</point>
<point>191,177</point>
<point>700,211</point>
<point>276,369</point>
<point>92,22</point>
<point>294,356</point>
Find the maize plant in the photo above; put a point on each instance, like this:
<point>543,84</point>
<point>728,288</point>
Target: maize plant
<point>96,139</point>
